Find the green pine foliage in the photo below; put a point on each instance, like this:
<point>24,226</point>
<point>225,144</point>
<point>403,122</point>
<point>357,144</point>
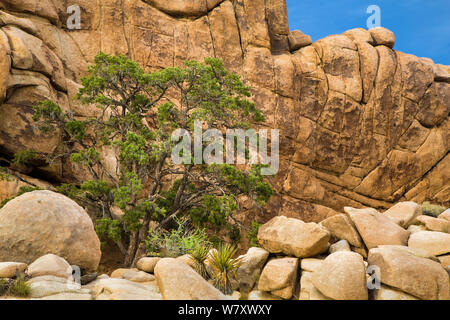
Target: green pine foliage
<point>136,119</point>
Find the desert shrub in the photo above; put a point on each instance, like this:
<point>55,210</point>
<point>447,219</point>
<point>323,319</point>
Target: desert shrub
<point>176,242</point>
<point>198,255</point>
<point>15,288</point>
<point>224,266</point>
<point>252,234</point>
<point>432,209</point>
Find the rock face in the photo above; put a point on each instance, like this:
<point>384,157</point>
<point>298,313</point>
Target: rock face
<point>360,124</point>
<point>250,269</point>
<point>417,276</point>
<point>279,277</point>
<point>178,281</point>
<point>342,276</point>
<point>42,222</point>
<point>377,229</point>
<point>293,237</point>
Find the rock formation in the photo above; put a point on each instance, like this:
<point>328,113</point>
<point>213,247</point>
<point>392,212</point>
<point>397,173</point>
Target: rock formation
<point>361,124</point>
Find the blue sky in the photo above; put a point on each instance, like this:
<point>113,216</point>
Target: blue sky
<point>421,27</point>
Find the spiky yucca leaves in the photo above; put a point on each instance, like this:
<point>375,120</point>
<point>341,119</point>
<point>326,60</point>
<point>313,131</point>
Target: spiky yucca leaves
<point>198,255</point>
<point>225,267</point>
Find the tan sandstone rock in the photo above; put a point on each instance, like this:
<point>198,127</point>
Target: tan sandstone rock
<point>42,222</point>
<point>383,36</point>
<point>50,265</point>
<point>147,264</point>
<point>298,39</point>
<point>293,237</point>
<point>404,213</point>
<point>177,281</point>
<point>10,269</point>
<point>342,276</point>
<point>250,268</point>
<point>307,289</point>
<point>133,275</point>
<point>434,224</point>
<point>341,227</point>
<point>434,243</point>
<point>417,276</point>
<point>377,229</point>
<point>445,215</point>
<point>386,293</point>
<point>279,277</point>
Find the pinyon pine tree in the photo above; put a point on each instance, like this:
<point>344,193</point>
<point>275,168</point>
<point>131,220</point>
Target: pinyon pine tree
<point>138,113</point>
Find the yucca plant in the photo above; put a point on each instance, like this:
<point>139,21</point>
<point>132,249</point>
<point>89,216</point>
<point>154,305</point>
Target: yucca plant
<point>198,255</point>
<point>224,266</point>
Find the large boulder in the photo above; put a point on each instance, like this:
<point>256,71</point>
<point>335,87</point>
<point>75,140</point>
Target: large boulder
<point>178,281</point>
<point>434,243</point>
<point>293,237</point>
<point>250,268</point>
<point>279,277</point>
<point>410,273</point>
<point>342,276</point>
<point>42,222</point>
<point>50,265</point>
<point>376,228</point>
<point>404,213</point>
<point>342,228</point>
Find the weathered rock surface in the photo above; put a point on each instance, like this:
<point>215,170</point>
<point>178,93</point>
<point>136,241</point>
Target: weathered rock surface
<point>122,289</point>
<point>147,264</point>
<point>251,265</point>
<point>42,222</point>
<point>341,245</point>
<point>404,213</point>
<point>293,237</point>
<point>341,227</point>
<point>50,265</point>
<point>178,281</point>
<point>45,286</point>
<point>434,243</point>
<point>386,293</point>
<point>133,275</point>
<point>342,276</point>
<point>10,269</point>
<point>434,224</point>
<point>377,229</point>
<point>417,276</point>
<point>445,215</point>
<point>307,289</point>
<point>360,124</point>
<point>279,277</point>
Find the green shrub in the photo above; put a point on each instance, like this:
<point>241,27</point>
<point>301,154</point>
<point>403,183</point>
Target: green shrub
<point>20,288</point>
<point>432,209</point>
<point>252,234</point>
<point>14,288</point>
<point>198,255</point>
<point>176,242</point>
<point>224,266</point>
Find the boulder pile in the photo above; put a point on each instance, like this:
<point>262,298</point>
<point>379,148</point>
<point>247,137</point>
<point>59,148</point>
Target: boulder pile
<point>361,254</point>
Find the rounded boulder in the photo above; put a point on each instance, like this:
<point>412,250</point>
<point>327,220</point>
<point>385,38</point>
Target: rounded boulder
<point>42,222</point>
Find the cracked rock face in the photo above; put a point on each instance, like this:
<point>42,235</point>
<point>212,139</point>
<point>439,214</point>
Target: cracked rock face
<point>361,124</point>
